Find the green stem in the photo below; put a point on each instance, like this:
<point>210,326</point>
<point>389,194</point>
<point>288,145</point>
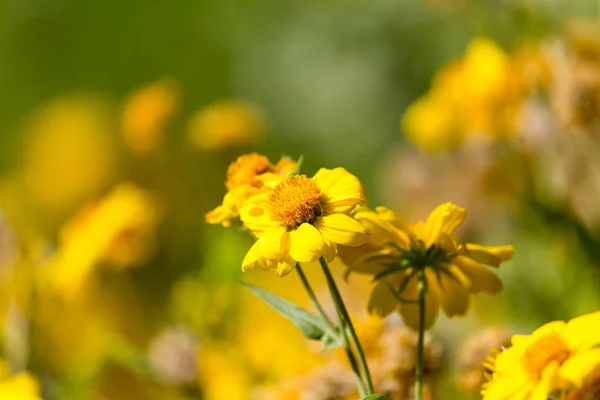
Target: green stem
<point>422,285</point>
<point>345,317</point>
<point>359,383</point>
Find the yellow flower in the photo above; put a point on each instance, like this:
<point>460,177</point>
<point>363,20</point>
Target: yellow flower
<point>226,123</point>
<point>303,219</point>
<point>146,114</point>
<point>545,361</point>
<point>395,252</point>
<point>117,231</point>
<point>246,177</point>
<point>21,386</point>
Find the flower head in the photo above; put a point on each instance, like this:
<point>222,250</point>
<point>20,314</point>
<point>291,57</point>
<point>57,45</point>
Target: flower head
<point>303,219</point>
<point>397,253</point>
<point>555,357</point>
<point>247,176</point>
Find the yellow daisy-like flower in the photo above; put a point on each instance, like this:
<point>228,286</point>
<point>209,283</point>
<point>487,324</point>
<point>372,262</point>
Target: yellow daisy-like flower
<point>303,219</point>
<point>246,177</point>
<point>396,253</point>
<point>551,358</point>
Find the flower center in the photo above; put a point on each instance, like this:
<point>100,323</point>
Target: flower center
<point>542,352</point>
<point>295,200</point>
<point>244,170</point>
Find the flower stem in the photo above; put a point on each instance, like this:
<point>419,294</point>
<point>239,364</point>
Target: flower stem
<point>351,357</point>
<point>347,322</point>
<point>422,286</point>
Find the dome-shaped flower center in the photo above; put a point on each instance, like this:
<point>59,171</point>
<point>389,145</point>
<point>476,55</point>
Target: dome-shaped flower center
<point>542,352</point>
<point>295,200</point>
<point>244,170</point>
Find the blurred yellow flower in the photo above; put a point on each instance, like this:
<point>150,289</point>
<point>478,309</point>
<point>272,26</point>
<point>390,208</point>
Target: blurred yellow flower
<point>475,97</point>
<point>225,124</point>
<point>118,230</point>
<point>21,386</point>
<point>70,153</point>
<point>395,252</point>
<point>554,357</point>
<point>146,114</point>
<point>246,176</point>
<point>303,219</point>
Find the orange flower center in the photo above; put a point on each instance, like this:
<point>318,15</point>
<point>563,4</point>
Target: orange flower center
<point>244,170</point>
<point>295,200</point>
<point>542,352</point>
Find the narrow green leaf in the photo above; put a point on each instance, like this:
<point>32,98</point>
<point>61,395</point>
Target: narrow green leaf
<point>312,326</point>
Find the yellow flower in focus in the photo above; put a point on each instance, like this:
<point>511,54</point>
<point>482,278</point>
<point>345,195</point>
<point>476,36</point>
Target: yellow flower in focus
<point>395,252</point>
<point>225,124</point>
<point>303,219</point>
<point>22,386</point>
<point>69,152</point>
<point>146,113</point>
<point>246,177</point>
<point>118,231</point>
<point>549,360</point>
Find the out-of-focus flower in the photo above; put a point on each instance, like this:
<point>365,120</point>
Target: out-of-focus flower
<point>553,358</point>
<point>21,386</point>
<point>173,356</point>
<point>69,152</point>
<point>452,269</point>
<point>226,124</point>
<point>147,113</point>
<point>476,97</point>
<point>246,176</point>
<point>118,231</point>
<point>474,353</point>
<point>303,219</point>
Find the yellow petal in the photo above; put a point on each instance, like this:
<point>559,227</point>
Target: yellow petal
<point>382,301</point>
<point>489,255</point>
<point>251,257</point>
<point>512,387</point>
<point>580,367</point>
<point>410,311</point>
<point>284,268</point>
<point>583,332</point>
<point>330,251</point>
<point>274,244</point>
<point>306,243</point>
<point>481,277</point>
<point>342,189</point>
<point>342,229</point>
<point>452,296</point>
<point>445,218</point>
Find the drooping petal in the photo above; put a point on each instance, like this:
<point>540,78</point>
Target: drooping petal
<point>342,190</point>
<point>481,277</point>
<point>284,268</point>
<point>274,244</point>
<point>453,297</point>
<point>330,251</point>
<point>410,311</point>
<point>444,218</point>
<point>252,257</point>
<point>382,301</point>
<point>489,255</point>
<point>342,229</point>
<point>306,243</point>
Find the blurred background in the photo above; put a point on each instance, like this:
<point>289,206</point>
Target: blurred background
<point>118,122</point>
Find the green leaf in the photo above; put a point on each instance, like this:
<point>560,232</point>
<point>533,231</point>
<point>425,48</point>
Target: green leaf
<point>375,397</point>
<point>312,326</point>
